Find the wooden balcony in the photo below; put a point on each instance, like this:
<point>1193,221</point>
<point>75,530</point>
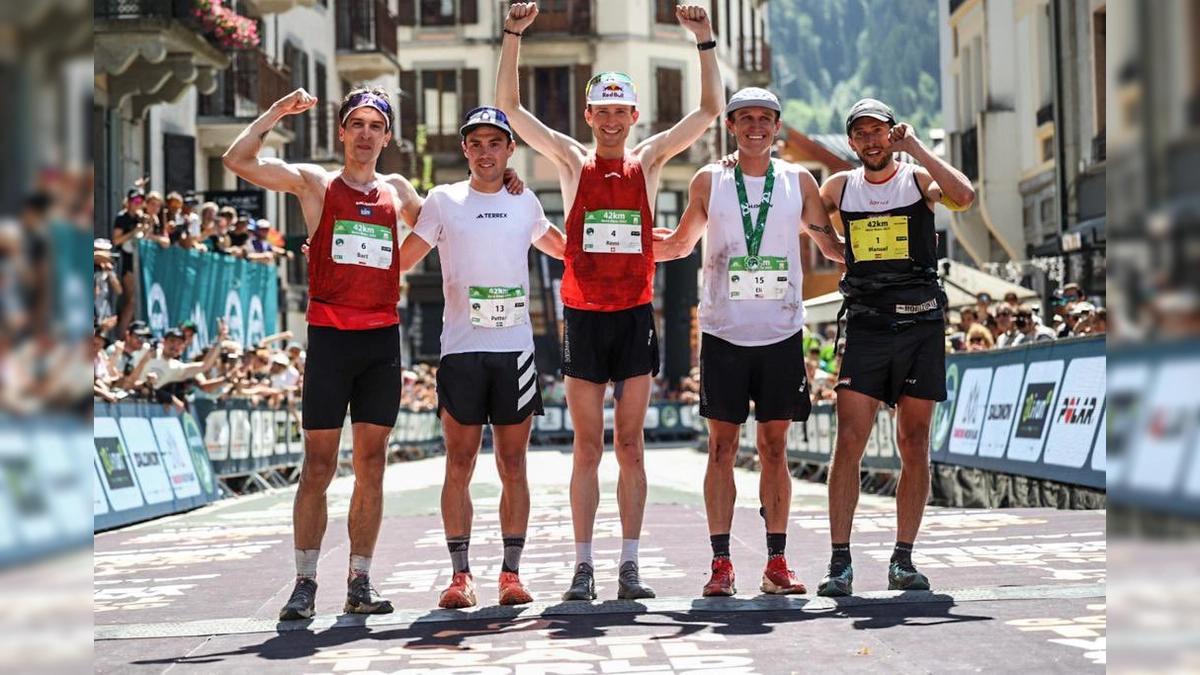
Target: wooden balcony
<point>754,62</point>
<point>243,92</point>
<point>366,40</point>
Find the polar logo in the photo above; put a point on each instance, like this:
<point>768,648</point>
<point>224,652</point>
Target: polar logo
<point>156,310</point>
<point>233,317</point>
<point>256,328</point>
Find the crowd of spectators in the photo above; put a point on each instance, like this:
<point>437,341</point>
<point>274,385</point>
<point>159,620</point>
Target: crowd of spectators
<point>1010,323</point>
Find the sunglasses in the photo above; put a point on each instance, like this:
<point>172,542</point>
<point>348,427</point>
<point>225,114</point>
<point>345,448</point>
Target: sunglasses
<point>978,341</point>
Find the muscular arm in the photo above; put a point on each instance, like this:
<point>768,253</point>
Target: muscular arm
<point>816,222</point>
<point>661,147</point>
<point>831,198</point>
<point>692,224</point>
<point>553,243</point>
<point>946,180</point>
<point>410,201</point>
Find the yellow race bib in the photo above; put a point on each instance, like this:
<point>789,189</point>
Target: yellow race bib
<point>879,238</point>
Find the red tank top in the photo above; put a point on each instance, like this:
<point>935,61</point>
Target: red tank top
<point>611,207</point>
<point>353,274</point>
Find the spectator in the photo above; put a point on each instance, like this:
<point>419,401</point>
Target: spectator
<point>1073,293</point>
<point>983,305</point>
<point>216,235</point>
<point>153,215</point>
<point>128,228</point>
<point>1082,313</point>
<point>170,375</point>
<point>190,217</point>
<point>105,282</point>
<point>284,377</point>
<point>239,238</point>
<point>968,316</point>
<point>1028,330</point>
<point>1011,300</point>
<point>1006,330</point>
<point>172,216</point>
<point>1099,325</point>
<point>979,339</point>
<point>124,355</point>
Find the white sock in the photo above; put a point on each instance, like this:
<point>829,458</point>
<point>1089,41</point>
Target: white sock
<point>629,550</point>
<point>306,562</point>
<point>360,565</point>
<point>583,552</point>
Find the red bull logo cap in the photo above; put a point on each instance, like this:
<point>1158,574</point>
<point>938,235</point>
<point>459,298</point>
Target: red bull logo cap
<point>611,89</point>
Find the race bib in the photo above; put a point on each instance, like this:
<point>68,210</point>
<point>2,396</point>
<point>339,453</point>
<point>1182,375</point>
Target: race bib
<point>758,278</point>
<point>366,244</point>
<point>498,307</point>
<point>879,238</point>
<point>612,231</point>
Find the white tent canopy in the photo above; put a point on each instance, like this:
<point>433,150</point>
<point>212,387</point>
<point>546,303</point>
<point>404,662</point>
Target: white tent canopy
<point>962,284</point>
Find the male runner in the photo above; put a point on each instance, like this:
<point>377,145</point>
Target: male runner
<point>487,372</point>
<point>353,335</point>
<point>607,287</point>
<point>751,321</point>
<point>895,310</point>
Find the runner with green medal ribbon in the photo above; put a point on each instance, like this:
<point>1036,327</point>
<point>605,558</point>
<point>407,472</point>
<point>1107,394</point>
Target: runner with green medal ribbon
<point>754,277</point>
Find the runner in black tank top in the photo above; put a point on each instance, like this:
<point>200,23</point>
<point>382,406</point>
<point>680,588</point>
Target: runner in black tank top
<point>894,318</point>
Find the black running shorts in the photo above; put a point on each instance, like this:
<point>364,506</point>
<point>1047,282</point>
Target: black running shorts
<point>887,359</point>
<point>489,387</point>
<point>609,346</point>
<point>772,376</point>
<point>355,368</point>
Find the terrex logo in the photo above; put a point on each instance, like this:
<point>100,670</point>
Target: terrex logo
<point>491,215</point>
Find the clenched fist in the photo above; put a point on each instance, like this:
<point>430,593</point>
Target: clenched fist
<point>520,16</point>
<point>295,103</point>
<point>695,19</point>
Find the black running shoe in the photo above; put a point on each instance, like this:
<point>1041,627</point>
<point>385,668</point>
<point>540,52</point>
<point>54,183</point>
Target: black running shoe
<point>583,585</point>
<point>302,604</point>
<point>362,598</point>
<point>629,583</point>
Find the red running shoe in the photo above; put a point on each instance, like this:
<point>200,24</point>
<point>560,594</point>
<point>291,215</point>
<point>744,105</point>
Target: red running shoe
<point>512,591</point>
<point>777,579</point>
<point>460,593</point>
<point>721,583</point>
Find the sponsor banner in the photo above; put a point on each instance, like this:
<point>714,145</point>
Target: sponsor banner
<point>240,433</point>
<point>27,499</point>
<point>1001,409</point>
<point>62,478</point>
<point>1100,451</point>
<point>1127,387</point>
<point>971,412</point>
<point>146,460</point>
<point>205,476</point>
<point>652,419</point>
<point>1077,415</point>
<point>177,459</point>
<point>1034,410</point>
<point>115,466</point>
<point>943,413</point>
<point>552,420</point>
<point>262,434</point>
<point>99,501</point>
<point>1164,440</point>
<point>281,419</point>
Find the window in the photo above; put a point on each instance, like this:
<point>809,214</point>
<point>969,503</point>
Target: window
<point>664,11</point>
<point>324,140</point>
<point>440,102</point>
<point>438,13</point>
<point>552,97</point>
<point>1098,59</point>
<point>668,97</point>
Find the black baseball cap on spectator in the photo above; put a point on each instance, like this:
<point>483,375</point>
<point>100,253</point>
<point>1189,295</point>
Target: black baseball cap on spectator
<point>175,333</point>
<point>242,217</point>
<point>135,193</point>
<point>190,199</point>
<point>140,329</point>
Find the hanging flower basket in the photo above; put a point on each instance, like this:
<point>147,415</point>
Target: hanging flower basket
<point>228,28</point>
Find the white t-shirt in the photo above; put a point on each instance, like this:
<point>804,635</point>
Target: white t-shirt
<point>288,378</point>
<point>752,322</point>
<point>483,240</point>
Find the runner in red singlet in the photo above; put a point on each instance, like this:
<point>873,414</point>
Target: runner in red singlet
<point>607,287</point>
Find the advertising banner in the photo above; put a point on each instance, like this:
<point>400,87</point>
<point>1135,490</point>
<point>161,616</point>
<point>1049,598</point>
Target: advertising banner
<point>970,414</point>
<point>1077,415</point>
<point>1001,409</point>
<point>1034,409</point>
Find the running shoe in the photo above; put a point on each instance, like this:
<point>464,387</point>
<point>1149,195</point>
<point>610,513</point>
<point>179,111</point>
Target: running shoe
<point>721,583</point>
<point>512,591</point>
<point>902,576</point>
<point>629,583</point>
<point>302,603</point>
<point>838,581</point>
<point>583,585</point>
<point>362,598</point>
<point>460,594</point>
<point>777,579</point>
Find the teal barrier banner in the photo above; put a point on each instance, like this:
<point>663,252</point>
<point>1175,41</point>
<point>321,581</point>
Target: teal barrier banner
<point>180,285</point>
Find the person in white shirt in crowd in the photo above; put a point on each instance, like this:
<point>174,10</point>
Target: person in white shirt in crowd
<point>1028,329</point>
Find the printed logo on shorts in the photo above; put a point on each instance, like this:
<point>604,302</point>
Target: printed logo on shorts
<point>845,381</point>
<point>910,381</point>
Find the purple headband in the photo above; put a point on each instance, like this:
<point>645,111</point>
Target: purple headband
<point>369,99</point>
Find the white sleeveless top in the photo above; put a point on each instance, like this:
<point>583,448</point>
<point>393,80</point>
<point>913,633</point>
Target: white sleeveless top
<point>752,323</point>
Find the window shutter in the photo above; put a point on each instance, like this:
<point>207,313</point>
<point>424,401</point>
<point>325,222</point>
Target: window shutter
<point>470,90</point>
<point>408,105</point>
<point>468,12</point>
<point>407,14</point>
<point>583,73</point>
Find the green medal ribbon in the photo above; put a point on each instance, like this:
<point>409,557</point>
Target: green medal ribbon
<point>754,231</point>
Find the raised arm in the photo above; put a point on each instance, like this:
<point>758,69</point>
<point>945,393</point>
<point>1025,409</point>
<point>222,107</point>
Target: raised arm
<point>268,172</point>
<point>953,184</point>
<point>663,146</point>
<point>816,222</point>
<point>692,224</point>
<point>558,147</point>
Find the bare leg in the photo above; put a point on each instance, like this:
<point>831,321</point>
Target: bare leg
<point>720,492</point>
<point>309,511</point>
<point>913,418</point>
<point>774,483</point>
<point>585,404</point>
<point>630,445</point>
<point>856,416</point>
<point>366,503</point>
<point>512,442</point>
<point>462,449</point>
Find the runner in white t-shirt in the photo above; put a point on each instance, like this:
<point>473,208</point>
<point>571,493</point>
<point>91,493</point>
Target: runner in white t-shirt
<point>487,373</point>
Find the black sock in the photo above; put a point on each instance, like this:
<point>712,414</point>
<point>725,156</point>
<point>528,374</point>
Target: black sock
<point>841,553</point>
<point>776,543</point>
<point>458,553</point>
<point>513,546</point>
<point>720,545</point>
<point>902,553</point>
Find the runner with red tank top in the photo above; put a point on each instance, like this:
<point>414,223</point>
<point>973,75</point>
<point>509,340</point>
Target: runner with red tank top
<point>353,335</point>
<point>608,285</point>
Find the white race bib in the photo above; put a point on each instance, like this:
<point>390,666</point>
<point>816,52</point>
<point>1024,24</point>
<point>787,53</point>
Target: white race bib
<point>758,278</point>
<point>498,307</point>
<point>612,231</point>
<point>356,243</point>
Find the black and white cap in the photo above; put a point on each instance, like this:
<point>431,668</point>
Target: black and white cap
<point>869,107</point>
<point>753,97</point>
